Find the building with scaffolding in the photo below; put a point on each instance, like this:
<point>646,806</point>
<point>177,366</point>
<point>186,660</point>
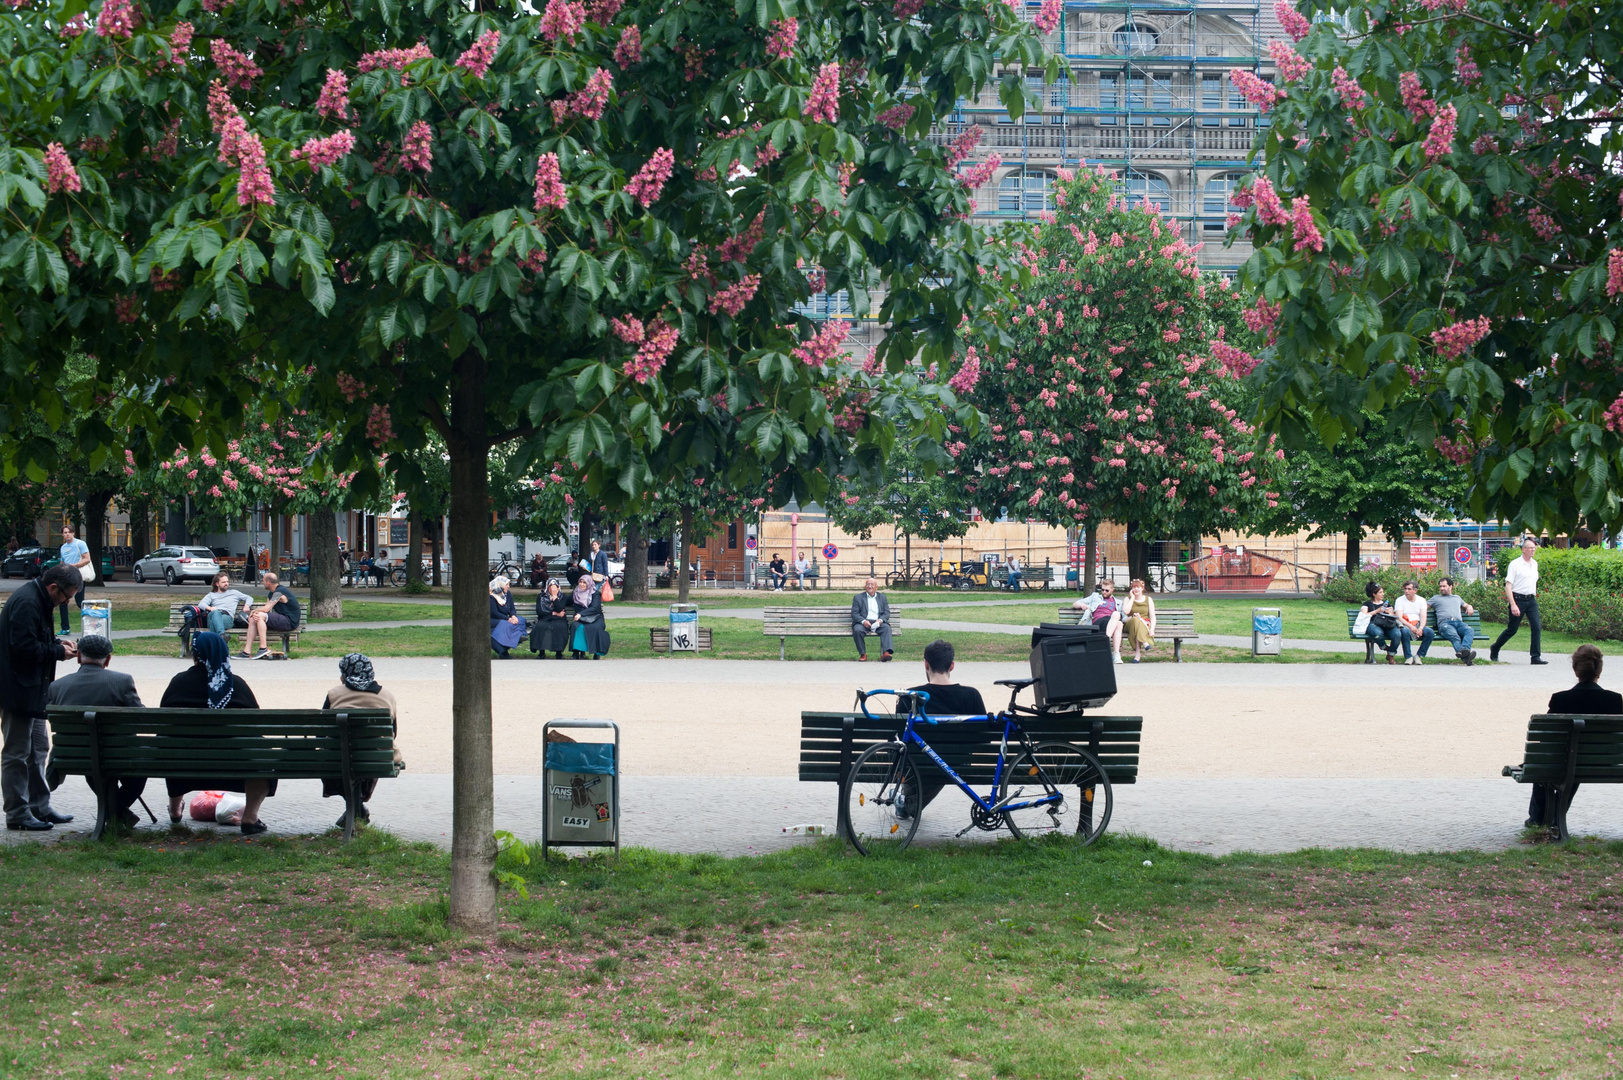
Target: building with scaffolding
<point>1145,93</point>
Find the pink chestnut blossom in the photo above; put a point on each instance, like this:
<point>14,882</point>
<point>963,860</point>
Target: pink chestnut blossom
<point>1264,95</point>
<point>732,299</point>
<point>1456,340</point>
<point>1293,21</point>
<point>74,26</point>
<point>417,148</point>
<point>549,184</point>
<point>326,151</point>
<point>479,56</point>
<point>334,99</point>
<point>628,53</point>
<point>646,186</point>
<point>562,19</point>
<point>1291,65</point>
<point>236,68</point>
<point>60,175</point>
<point>823,104</point>
<point>780,44</point>
<point>1614,272</point>
<point>1352,95</point>
<point>657,346</point>
<point>1440,141</point>
<point>824,346</point>
<point>117,18</point>
<point>1048,16</point>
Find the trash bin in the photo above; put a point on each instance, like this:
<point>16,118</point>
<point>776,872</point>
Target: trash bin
<point>684,627</point>
<point>96,617</point>
<point>581,807</point>
<point>1267,631</point>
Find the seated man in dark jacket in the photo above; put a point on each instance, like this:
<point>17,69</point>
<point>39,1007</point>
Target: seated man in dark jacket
<point>1587,698</point>
<point>95,684</point>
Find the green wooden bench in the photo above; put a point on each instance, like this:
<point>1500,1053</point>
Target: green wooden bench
<point>107,745</point>
<point>787,622</point>
<point>1566,750</point>
<point>831,741</point>
<point>1474,621</point>
<point>1176,625</point>
<point>287,636</point>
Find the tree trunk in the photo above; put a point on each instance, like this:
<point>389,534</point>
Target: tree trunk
<point>1138,553</point>
<point>95,524</point>
<point>473,841</point>
<point>326,602</point>
<point>275,566</point>
<point>907,557</point>
<point>1355,532</point>
<point>140,528</point>
<point>583,542</point>
<point>1090,560</point>
<point>435,531</point>
<point>414,550</point>
<point>682,557</point>
<point>636,586</point>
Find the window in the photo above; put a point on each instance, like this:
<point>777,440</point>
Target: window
<point>732,536</point>
<point>1211,99</point>
<point>1161,98</point>
<point>836,305</point>
<point>1139,186</point>
<point>1109,98</point>
<point>1217,202</point>
<point>1135,37</point>
<point>1237,103</point>
<point>1025,191</point>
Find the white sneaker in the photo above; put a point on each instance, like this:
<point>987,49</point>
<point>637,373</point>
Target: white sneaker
<point>1118,657</point>
<point>1411,661</point>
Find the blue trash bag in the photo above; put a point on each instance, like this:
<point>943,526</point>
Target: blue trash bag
<point>581,757</point>
<point>1268,624</point>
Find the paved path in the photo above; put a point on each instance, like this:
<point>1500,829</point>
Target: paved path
<point>746,815</point>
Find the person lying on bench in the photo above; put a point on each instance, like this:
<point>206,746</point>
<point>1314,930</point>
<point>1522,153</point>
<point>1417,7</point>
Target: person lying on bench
<point>947,698</point>
<point>94,685</point>
<point>1585,699</point>
<point>209,684</point>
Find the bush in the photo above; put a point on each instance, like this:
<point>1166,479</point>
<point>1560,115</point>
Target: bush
<point>1583,610</point>
<point>1349,588</point>
<point>1591,568</point>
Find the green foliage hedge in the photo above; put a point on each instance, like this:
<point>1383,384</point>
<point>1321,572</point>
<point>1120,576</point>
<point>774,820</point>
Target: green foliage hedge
<point>1349,588</point>
<point>1591,568</point>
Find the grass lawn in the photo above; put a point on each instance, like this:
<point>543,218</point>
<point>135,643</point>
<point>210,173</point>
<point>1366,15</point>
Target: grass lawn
<point>179,957</point>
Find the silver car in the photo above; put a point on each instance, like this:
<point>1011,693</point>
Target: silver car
<point>175,563</point>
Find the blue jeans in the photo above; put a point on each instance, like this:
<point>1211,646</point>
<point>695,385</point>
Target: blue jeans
<point>1390,638</point>
<point>1457,633</point>
<point>1427,636</point>
<point>220,621</point>
<point>1015,578</point>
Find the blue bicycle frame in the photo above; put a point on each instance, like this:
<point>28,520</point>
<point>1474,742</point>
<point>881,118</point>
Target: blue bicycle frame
<point>909,737</point>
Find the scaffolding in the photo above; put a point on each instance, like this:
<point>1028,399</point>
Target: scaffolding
<point>1146,94</point>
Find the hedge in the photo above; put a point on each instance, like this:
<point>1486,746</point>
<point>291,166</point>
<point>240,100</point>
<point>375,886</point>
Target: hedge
<point>1594,568</point>
<point>1349,588</point>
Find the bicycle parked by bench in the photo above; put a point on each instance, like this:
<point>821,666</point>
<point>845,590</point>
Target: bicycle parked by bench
<point>1036,789</point>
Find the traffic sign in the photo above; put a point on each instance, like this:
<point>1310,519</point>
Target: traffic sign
<point>829,551</point>
<point>749,542</point>
<point>1463,555</point>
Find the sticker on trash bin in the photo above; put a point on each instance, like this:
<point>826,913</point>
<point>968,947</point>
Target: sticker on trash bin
<point>602,811</point>
<point>559,791</point>
<point>576,822</point>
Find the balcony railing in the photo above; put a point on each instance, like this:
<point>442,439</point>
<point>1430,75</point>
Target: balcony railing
<point>1182,137</point>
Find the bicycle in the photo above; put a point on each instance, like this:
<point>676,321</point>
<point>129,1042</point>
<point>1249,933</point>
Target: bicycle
<point>882,796</point>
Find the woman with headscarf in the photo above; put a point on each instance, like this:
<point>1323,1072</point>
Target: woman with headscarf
<point>591,634</point>
<point>551,633</point>
<point>507,626</point>
<point>210,684</point>
<point>358,689</point>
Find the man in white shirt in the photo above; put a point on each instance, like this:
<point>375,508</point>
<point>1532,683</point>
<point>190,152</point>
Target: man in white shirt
<point>1521,585</point>
<point>802,567</point>
<point>870,614</point>
<point>1411,610</point>
<point>1016,572</point>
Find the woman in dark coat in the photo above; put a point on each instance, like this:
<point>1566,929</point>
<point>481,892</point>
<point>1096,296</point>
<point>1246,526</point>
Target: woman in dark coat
<point>507,626</point>
<point>591,634</point>
<point>210,684</point>
<point>551,633</point>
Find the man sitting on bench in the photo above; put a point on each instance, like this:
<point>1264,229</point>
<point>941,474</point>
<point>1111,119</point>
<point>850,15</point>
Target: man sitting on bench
<point>947,698</point>
<point>92,685</point>
<point>870,614</point>
<point>1585,699</point>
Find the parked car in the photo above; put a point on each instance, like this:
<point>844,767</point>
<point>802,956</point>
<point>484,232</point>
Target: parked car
<point>28,562</point>
<point>173,563</point>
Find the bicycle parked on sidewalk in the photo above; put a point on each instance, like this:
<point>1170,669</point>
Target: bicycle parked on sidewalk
<point>1036,790</point>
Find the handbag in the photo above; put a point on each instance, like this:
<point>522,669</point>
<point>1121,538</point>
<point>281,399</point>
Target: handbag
<point>1385,620</point>
<point>1361,623</point>
<point>608,592</point>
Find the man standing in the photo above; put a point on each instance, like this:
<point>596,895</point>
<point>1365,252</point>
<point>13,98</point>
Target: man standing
<point>779,570</point>
<point>95,685</point>
<point>1411,611</point>
<point>600,562</point>
<point>1450,626</point>
<point>75,553</point>
<point>28,656</point>
<point>1587,698</point>
<point>1521,585</point>
<point>870,614</point>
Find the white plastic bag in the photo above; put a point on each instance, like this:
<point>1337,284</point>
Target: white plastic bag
<point>228,811</point>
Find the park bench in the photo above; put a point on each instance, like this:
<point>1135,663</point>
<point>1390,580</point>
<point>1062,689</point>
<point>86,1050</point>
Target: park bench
<point>107,745</point>
<point>1474,621</point>
<point>1176,625</point>
<point>1564,751</point>
<point>787,622</point>
<point>659,638</point>
<point>176,622</point>
<point>830,743</point>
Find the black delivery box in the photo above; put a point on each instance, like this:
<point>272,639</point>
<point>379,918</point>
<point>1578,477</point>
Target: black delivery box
<point>1072,665</point>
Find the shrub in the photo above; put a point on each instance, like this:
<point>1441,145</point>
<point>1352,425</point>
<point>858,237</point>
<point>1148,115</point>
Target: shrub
<point>1582,609</point>
<point>1594,568</point>
<point>1349,588</point>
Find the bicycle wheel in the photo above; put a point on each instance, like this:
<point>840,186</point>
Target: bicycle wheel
<point>881,800</point>
<point>1076,775</point>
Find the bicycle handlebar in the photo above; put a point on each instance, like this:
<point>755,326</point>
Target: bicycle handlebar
<point>924,695</point>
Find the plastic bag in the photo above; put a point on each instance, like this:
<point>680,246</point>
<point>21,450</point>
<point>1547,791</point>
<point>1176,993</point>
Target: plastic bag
<point>203,804</point>
<point>228,811</point>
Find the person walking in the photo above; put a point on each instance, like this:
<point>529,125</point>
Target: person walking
<point>28,656</point>
<point>1521,588</point>
<point>1585,699</point>
<point>96,684</point>
<point>75,553</point>
<point>870,614</point>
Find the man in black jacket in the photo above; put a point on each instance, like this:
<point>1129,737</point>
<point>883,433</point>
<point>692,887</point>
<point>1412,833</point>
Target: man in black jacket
<point>29,651</point>
<point>93,685</point>
<point>1585,699</point>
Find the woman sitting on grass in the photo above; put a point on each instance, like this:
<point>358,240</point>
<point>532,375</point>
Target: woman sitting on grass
<point>210,684</point>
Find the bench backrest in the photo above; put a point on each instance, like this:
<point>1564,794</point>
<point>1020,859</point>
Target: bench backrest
<point>830,741</point>
<point>1591,746</point>
<point>1165,618</point>
<point>175,620</point>
<point>1474,620</point>
<point>816,620</point>
<point>291,743</point>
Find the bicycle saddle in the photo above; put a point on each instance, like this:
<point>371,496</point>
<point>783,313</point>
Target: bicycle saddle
<point>1018,684</point>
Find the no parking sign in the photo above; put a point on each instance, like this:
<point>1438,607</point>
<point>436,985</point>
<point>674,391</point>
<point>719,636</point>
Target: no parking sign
<point>829,551</point>
<point>1463,555</point>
